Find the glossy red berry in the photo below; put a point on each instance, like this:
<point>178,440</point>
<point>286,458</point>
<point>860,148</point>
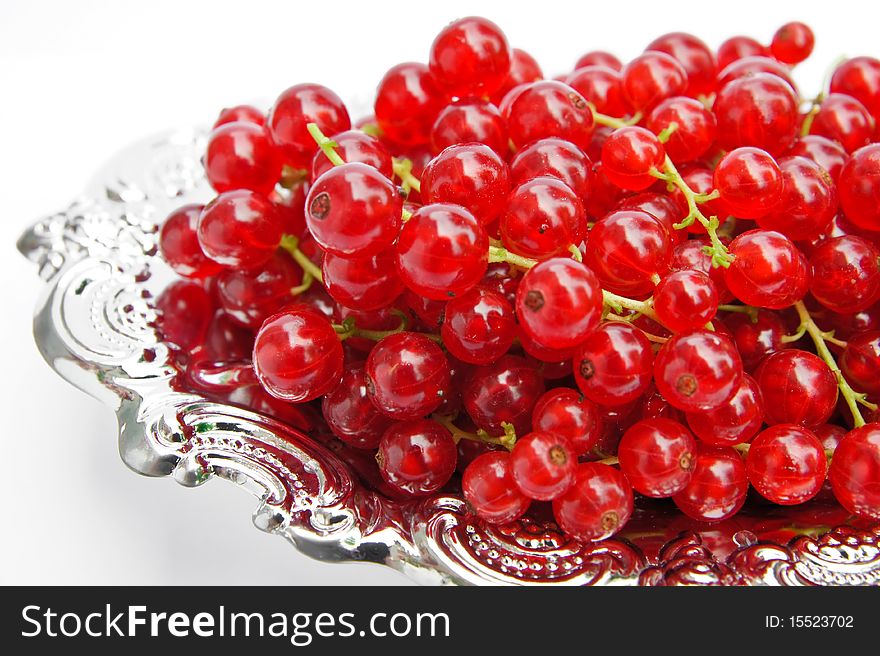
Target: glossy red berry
<point>179,244</point>
<point>543,218</point>
<point>468,121</point>
<point>555,158</point>
<point>690,254</point>
<point>489,489</point>
<point>597,505</point>
<point>860,78</point>
<point>550,109</point>
<point>294,110</point>
<point>599,58</point>
<point>695,57</point>
<point>350,414</point>
<point>756,338</point>
<point>239,229</point>
<point>184,313</point>
<point>614,365</point>
<point>559,302</point>
<point>828,154</point>
<point>736,421</point>
<point>297,355</point>
<point>471,175</point>
<point>698,371</point>
<point>718,487</point>
<point>855,471</point>
<point>478,326</point>
<point>251,296</point>
<point>739,47</point>
<point>543,465</point>
<point>657,456</point>
<point>759,110</point>
<point>602,87</point>
<point>808,202</point>
<point>523,70</point>
<point>768,270</point>
<point>503,392</point>
<point>860,362</point>
<point>661,207</point>
<point>753,65</point>
<point>627,249</point>
<point>417,457</point>
<point>470,57</point>
<point>362,283</point>
<point>792,43</point>
<point>569,413</point>
<point>749,182</point>
<point>442,251</point>
<point>354,146</point>
<point>786,464</point>
<point>353,210</point>
<point>246,113</point>
<point>242,156</point>
<point>695,127</point>
<point>651,78</point>
<point>846,274</point>
<point>798,388</point>
<point>845,120</point>
<point>859,187</point>
<point>629,155</point>
<point>685,300</point>
<point>408,100</point>
<point>407,376</point>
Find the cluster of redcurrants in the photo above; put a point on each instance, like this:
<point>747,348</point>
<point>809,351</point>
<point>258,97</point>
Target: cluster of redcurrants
<point>677,248</point>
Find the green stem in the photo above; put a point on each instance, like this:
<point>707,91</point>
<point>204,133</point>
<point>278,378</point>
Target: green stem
<point>507,440</point>
<point>613,121</point>
<point>664,135</point>
<point>304,286</point>
<point>327,145</point>
<point>616,302</point>
<point>290,243</point>
<point>849,394</point>
<point>742,309</point>
<point>501,254</point>
<point>403,169</point>
<point>575,253</point>
<point>718,251</point>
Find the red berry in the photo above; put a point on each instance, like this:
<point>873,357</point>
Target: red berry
<point>294,110</point>
<point>479,326</point>
<point>749,182</point>
<point>543,465</point>
<point>297,355</point>
<point>661,207</point>
<point>626,249</point>
<point>350,414</point>
<point>798,388</point>
<point>859,187</point>
<point>523,69</point>
<point>555,158</point>
<point>354,146</point>
<point>239,229</point>
<point>695,131</point>
<point>786,464</point>
<point>503,392</point>
<point>568,413</point>
<point>846,274</point>
<point>417,457</point>
<point>542,219</point>
<point>690,254</point>
<point>755,339</point>
<point>362,283</point>
<point>826,153</point>
<point>550,109</point>
<point>559,302</point>
<point>470,57</point>
<point>685,300</point>
<point>246,113</point>
<point>855,471</point>
<point>694,56</point>
<point>651,78</point>
<point>352,210</point>
<point>599,58</point>
<point>185,311</point>
<point>614,365</point>
<point>845,120</point>
<point>442,251</point>
<point>629,155</point>
<point>698,371</point>
<point>657,457</point>
<point>760,110</point>
<point>597,504</point>
<point>471,175</point>
<point>242,156</point>
<point>179,244</point>
<point>736,421</point>
<point>860,78</point>
<point>860,362</point>
<point>718,487</point>
<point>739,47</point>
<point>752,65</point>
<point>251,296</point>
<point>407,103</point>
<point>602,87</point>
<point>768,270</point>
<point>792,43</point>
<point>489,489</point>
<point>808,202</point>
<point>470,120</point>
<point>407,376</point>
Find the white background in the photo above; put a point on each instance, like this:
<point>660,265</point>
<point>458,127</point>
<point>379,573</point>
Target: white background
<point>79,80</point>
